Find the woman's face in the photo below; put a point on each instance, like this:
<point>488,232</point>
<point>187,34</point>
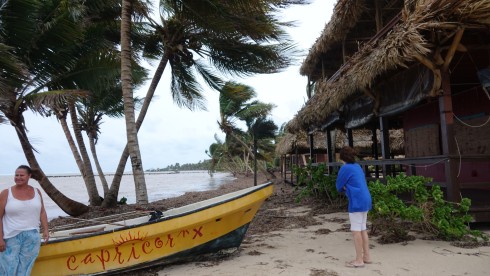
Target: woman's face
<point>21,177</point>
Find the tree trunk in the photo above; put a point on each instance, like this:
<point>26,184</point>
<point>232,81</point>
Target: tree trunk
<point>248,150</point>
<point>93,193</point>
<point>102,178</point>
<point>127,89</point>
<point>73,147</point>
<point>69,206</point>
<point>110,200</point>
<point>255,162</point>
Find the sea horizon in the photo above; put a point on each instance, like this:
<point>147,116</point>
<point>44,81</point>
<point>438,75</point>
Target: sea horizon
<point>160,185</point>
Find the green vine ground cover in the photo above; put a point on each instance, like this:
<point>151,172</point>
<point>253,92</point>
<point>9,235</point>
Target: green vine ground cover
<point>402,205</point>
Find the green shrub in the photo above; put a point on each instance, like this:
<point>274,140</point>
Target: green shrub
<point>312,181</point>
<point>406,199</point>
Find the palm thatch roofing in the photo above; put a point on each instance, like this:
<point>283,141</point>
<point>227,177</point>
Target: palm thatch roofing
<point>362,140</point>
<point>402,44</point>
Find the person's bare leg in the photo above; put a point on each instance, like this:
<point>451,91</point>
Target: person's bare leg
<point>358,243</point>
<point>365,247</point>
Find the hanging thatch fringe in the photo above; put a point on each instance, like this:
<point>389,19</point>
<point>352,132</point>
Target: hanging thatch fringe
<point>362,139</point>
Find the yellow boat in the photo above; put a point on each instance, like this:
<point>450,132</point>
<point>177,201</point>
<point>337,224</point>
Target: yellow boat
<point>177,234</point>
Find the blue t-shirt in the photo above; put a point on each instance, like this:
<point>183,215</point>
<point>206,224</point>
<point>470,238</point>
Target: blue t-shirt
<point>352,178</point>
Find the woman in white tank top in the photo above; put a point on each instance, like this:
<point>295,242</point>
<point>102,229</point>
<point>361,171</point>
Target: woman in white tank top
<point>21,213</point>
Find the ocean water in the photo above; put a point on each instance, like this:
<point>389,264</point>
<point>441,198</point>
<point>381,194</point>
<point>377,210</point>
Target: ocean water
<point>159,186</point>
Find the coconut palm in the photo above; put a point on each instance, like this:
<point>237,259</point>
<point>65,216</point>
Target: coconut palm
<point>42,37</point>
<point>237,104</point>
<point>50,41</point>
<point>132,148</point>
<point>260,128</point>
<point>198,38</point>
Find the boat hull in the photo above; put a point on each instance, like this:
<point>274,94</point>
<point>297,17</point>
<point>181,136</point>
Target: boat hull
<point>209,228</point>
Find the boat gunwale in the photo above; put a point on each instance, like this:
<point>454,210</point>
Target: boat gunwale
<point>169,217</point>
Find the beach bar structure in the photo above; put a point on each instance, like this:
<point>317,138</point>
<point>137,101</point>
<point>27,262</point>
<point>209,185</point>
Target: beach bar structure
<point>418,66</point>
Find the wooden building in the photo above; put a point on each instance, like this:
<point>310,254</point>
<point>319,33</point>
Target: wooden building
<point>416,65</point>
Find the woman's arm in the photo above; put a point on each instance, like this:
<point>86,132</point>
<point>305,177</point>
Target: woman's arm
<point>341,181</point>
<point>3,202</point>
<point>44,219</point>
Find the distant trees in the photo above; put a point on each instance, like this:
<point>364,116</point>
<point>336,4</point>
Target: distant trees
<point>199,166</point>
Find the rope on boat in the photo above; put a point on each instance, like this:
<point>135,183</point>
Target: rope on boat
<point>110,219</point>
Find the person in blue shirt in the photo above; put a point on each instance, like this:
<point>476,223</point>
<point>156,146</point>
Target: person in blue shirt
<point>352,182</point>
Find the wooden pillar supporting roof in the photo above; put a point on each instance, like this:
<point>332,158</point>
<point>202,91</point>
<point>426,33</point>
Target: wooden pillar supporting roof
<point>448,140</point>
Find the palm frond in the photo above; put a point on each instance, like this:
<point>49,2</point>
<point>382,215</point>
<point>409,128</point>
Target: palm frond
<point>186,91</point>
<point>45,102</point>
<point>212,80</point>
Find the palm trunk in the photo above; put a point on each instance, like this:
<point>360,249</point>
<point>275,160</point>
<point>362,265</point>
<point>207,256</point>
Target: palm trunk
<point>93,194</point>
<point>127,89</point>
<point>71,143</point>
<point>69,206</point>
<point>250,151</point>
<point>102,178</point>
<point>110,199</point>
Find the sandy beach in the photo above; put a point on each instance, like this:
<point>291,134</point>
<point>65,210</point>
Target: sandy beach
<point>323,249</point>
<point>320,244</point>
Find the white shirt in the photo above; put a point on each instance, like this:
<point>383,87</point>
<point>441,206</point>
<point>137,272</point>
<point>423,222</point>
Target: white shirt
<point>21,215</point>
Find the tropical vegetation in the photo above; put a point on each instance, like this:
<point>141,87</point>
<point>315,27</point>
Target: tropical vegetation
<point>241,149</point>
<point>402,204</point>
<point>81,60</point>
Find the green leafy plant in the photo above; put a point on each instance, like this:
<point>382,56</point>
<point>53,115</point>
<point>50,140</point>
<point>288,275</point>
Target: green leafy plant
<point>390,211</point>
<point>312,181</point>
<point>406,201</point>
<point>450,219</point>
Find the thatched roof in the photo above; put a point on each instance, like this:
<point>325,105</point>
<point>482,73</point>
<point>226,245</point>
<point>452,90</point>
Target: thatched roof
<point>398,47</point>
<point>362,139</point>
<point>300,141</point>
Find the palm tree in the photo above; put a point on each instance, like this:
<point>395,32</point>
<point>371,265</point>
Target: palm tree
<point>260,128</point>
<point>48,44</point>
<point>105,99</point>
<point>127,90</point>
<point>42,36</point>
<point>237,104</point>
<point>197,37</point>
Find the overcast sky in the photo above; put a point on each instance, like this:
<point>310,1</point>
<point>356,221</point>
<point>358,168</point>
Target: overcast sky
<point>169,134</point>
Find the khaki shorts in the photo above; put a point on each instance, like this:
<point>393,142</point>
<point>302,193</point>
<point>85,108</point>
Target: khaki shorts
<point>358,221</point>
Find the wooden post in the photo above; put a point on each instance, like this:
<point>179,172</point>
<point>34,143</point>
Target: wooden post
<point>448,142</point>
<point>379,15</point>
<point>350,138</point>
<point>297,163</point>
<point>375,149</point>
<point>385,144</point>
<point>330,149</point>
<point>311,140</point>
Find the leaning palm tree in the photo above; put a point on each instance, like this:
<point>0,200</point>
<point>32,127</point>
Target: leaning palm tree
<point>237,104</point>
<point>199,37</point>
